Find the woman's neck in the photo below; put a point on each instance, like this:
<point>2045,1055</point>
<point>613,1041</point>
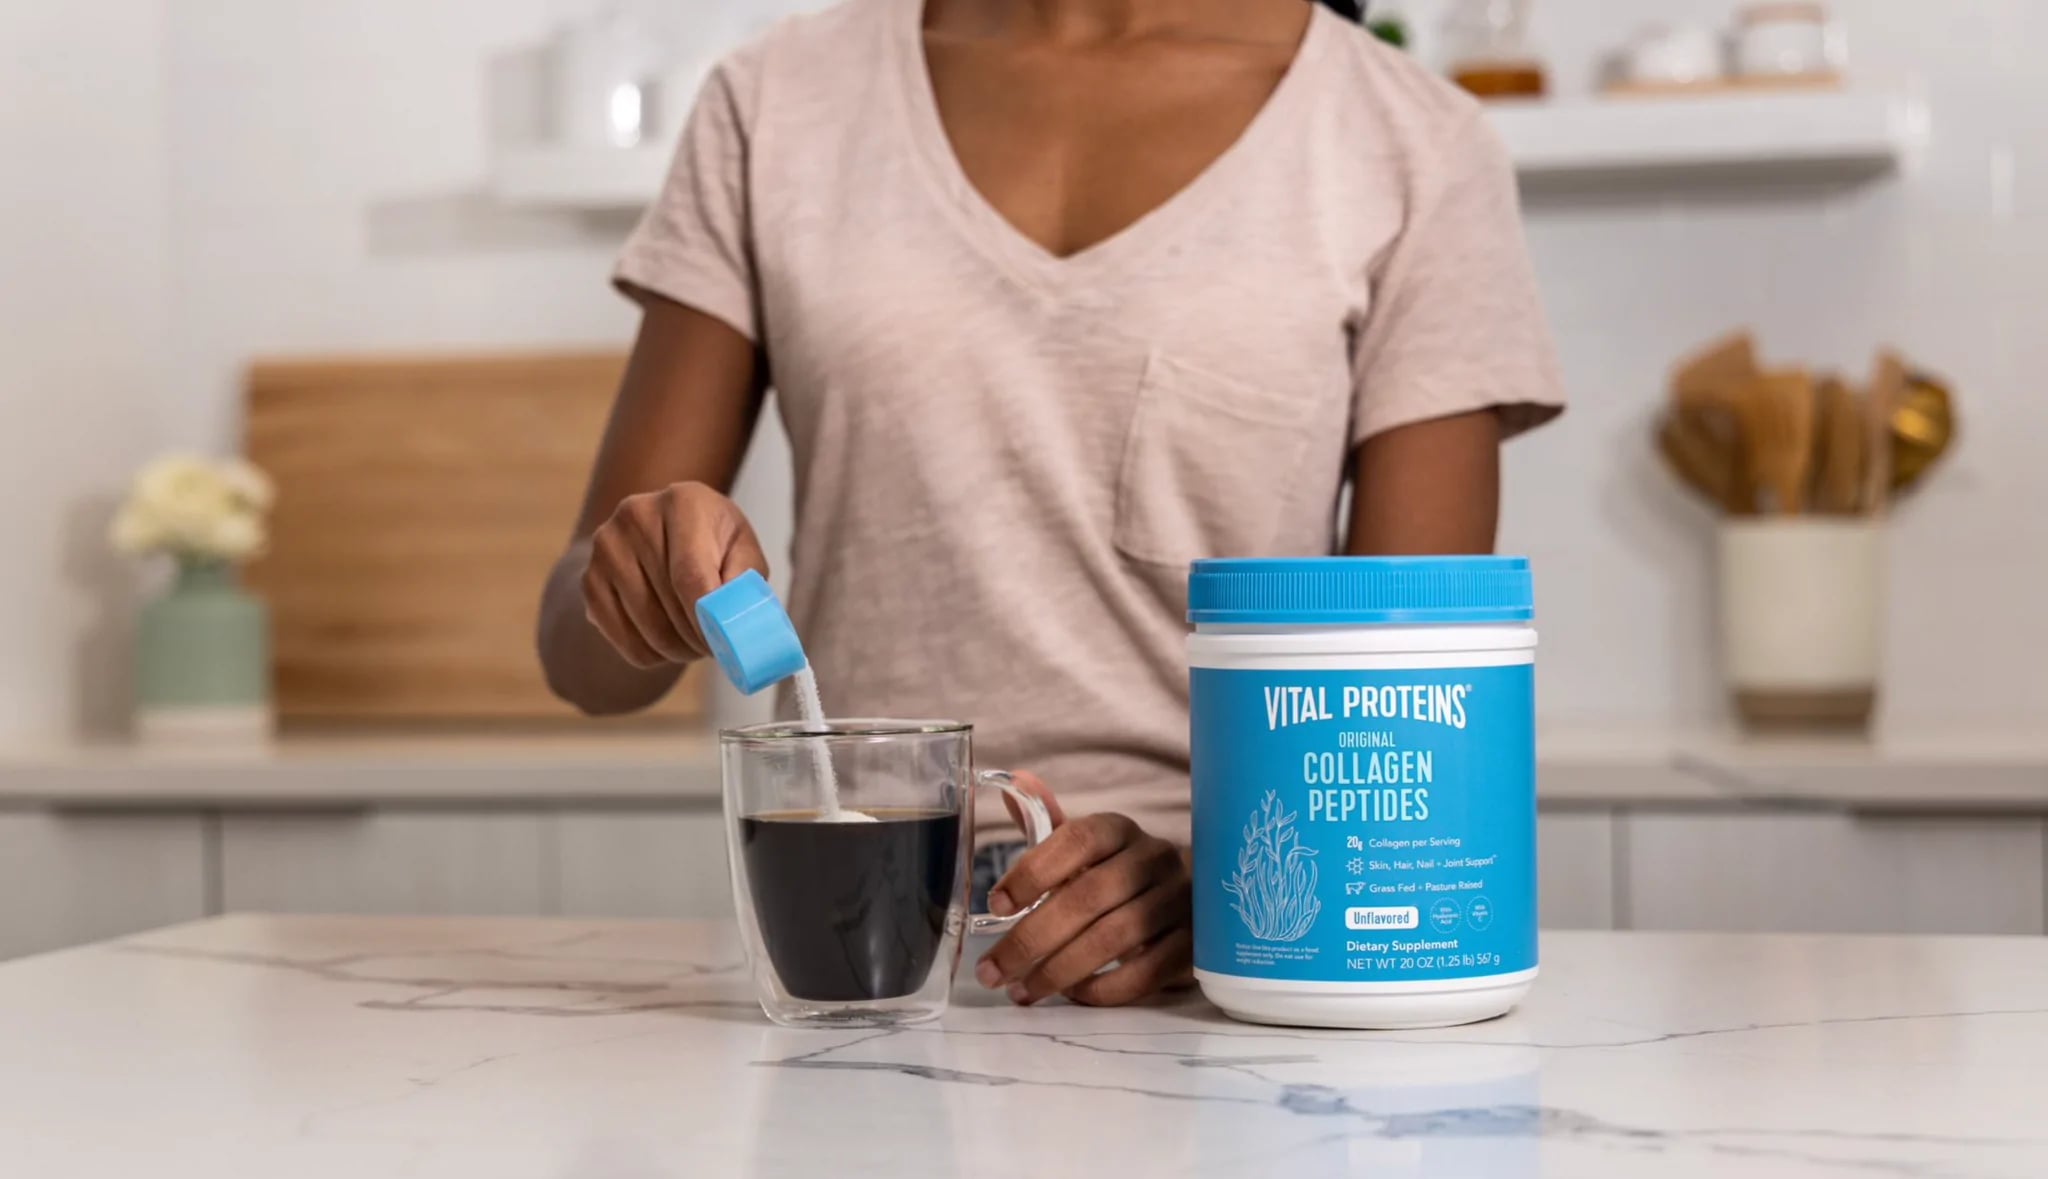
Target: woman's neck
<point>1086,21</point>
<point>1098,20</point>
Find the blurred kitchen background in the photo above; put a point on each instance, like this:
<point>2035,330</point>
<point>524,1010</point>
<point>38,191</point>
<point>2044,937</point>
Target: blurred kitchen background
<point>367,243</point>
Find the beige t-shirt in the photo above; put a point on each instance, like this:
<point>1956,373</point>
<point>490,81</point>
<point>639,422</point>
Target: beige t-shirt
<point>1005,460</point>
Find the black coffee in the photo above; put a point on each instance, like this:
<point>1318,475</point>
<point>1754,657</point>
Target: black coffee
<point>852,911</point>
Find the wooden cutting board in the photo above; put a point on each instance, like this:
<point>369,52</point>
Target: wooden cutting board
<point>421,503</point>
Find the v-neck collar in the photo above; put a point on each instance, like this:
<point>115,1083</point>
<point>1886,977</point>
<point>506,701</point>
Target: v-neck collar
<point>1017,252</point>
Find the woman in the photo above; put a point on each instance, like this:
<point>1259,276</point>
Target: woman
<point>1056,296</point>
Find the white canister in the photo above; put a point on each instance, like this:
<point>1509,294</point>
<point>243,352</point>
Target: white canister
<point>1683,55</point>
<point>1802,617</point>
<point>1364,784</point>
<point>1786,41</point>
<point>606,82</point>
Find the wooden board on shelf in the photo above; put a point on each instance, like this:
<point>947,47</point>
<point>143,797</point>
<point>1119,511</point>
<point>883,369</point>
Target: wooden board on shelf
<point>420,505</point>
<point>1709,88</point>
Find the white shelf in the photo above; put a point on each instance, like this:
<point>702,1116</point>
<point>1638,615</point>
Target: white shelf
<point>1781,133</point>
<point>595,179</point>
<point>1792,133</point>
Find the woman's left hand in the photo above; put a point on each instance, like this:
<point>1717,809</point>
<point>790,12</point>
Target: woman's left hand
<point>1117,895</point>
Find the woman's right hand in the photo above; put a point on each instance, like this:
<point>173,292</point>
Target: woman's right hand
<point>650,562</point>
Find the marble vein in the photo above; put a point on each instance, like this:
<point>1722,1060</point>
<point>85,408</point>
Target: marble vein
<point>1456,1037</point>
<point>444,992</point>
<point>333,1048</point>
<point>1512,1120</point>
<point>1737,785</point>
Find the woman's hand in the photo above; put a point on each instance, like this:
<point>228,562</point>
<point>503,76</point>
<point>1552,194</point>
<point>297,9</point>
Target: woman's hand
<point>685,413</point>
<point>650,562</point>
<point>1118,895</point>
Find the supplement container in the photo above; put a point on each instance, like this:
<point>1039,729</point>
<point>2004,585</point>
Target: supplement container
<point>1364,777</point>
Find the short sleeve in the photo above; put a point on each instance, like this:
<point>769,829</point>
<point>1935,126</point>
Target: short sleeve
<point>694,245</point>
<point>1455,323</point>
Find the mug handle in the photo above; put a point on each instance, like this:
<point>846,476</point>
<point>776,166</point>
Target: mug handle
<point>1037,829</point>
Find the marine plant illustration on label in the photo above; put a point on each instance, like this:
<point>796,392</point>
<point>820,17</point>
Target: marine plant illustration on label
<point>1275,883</point>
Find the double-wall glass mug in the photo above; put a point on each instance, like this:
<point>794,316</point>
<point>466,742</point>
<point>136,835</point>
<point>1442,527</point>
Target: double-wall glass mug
<point>855,916</point>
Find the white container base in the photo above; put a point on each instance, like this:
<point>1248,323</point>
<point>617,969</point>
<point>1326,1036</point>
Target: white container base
<point>1366,1006</point>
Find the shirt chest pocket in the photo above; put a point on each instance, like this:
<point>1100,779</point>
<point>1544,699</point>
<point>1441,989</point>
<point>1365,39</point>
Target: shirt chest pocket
<point>1210,466</point>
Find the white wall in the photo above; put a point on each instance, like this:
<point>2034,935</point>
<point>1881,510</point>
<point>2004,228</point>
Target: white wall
<point>326,196</point>
<point>1949,262</point>
<point>82,253</point>
<point>325,163</point>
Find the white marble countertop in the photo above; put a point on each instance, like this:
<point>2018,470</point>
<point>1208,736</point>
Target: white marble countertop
<point>1957,774</point>
<point>500,1049</point>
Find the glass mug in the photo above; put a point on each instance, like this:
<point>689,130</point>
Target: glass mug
<point>856,923</point>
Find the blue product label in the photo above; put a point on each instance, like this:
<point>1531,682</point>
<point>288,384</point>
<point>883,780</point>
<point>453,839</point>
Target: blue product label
<point>1365,826</point>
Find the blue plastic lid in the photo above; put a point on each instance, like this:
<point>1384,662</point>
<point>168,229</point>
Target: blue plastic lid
<point>749,633</point>
<point>1336,591</point>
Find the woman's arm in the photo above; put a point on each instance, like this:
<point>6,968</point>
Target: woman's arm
<point>656,530</point>
<point>1430,488</point>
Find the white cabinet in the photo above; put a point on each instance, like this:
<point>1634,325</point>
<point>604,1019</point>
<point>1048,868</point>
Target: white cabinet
<point>643,863</point>
<point>1835,873</point>
<point>69,877</point>
<point>596,862</point>
<point>471,862</point>
<point>1575,863</point>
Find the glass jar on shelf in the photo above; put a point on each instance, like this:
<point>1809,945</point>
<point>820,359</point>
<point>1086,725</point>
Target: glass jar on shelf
<point>1487,49</point>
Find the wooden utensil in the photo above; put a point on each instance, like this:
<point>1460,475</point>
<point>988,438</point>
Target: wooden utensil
<point>1714,375</point>
<point>1776,413</point>
<point>1923,427</point>
<point>1838,478</point>
<point>1887,389</point>
<point>420,504</point>
<point>1706,456</point>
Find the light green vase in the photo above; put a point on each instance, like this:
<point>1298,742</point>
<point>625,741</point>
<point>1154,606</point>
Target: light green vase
<point>202,658</point>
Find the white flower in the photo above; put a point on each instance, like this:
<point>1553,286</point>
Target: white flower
<point>136,531</point>
<point>233,538</point>
<point>189,507</point>
<point>247,482</point>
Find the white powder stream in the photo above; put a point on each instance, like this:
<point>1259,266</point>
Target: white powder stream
<point>812,710</point>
